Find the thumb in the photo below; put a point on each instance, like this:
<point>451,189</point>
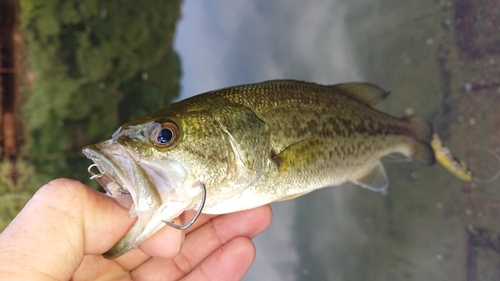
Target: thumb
<point>61,223</point>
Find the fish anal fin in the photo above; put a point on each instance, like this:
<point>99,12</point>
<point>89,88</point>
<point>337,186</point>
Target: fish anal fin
<point>299,155</point>
<point>375,179</point>
<point>366,93</point>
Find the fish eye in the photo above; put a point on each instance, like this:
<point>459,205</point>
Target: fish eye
<point>163,134</point>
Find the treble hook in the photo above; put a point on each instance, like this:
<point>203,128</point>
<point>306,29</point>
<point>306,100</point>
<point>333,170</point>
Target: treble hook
<point>198,213</point>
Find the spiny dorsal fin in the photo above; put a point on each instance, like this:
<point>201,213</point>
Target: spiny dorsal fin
<point>366,93</point>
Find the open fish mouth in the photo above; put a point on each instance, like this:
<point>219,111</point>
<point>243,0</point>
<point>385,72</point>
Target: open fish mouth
<point>110,177</point>
<point>119,174</point>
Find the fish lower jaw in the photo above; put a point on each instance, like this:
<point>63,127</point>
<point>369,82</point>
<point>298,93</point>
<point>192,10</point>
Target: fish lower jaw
<point>147,224</point>
<point>140,231</point>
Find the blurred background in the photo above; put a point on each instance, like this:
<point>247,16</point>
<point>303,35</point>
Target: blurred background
<point>73,71</point>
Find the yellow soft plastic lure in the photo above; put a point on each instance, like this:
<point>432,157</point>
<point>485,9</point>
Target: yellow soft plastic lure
<point>450,163</point>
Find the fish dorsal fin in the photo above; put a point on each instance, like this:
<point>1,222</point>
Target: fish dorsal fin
<point>375,179</point>
<point>366,93</point>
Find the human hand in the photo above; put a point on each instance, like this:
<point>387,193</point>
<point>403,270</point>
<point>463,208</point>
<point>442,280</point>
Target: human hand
<point>63,230</point>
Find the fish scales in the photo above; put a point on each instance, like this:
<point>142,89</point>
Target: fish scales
<point>254,144</point>
<point>354,133</point>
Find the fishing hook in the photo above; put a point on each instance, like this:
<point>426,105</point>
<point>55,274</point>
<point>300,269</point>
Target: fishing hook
<point>198,213</point>
<point>104,179</point>
<point>94,176</point>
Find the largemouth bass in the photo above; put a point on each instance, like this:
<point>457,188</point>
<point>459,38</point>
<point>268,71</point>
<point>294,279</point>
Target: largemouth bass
<point>251,145</point>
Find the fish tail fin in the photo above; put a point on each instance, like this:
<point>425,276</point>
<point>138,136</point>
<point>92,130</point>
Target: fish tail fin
<point>422,151</point>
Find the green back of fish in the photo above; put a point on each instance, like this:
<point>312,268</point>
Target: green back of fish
<point>324,134</point>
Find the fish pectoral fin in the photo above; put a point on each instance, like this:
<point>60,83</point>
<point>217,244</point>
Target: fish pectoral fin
<point>299,155</point>
<point>366,93</point>
<point>375,179</point>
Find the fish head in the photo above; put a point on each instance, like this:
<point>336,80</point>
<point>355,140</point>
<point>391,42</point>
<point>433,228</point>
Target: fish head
<point>159,162</point>
<point>138,169</point>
